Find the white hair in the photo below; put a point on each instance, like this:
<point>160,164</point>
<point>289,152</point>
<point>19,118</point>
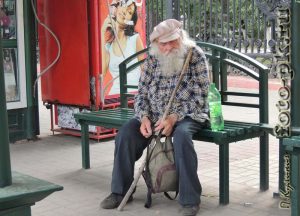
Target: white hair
<point>173,62</point>
<point>186,40</point>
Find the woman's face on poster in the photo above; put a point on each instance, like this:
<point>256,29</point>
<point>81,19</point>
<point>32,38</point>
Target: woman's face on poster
<point>125,13</point>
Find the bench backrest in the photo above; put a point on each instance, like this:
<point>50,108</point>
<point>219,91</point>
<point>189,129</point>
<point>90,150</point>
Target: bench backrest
<point>124,69</point>
<point>220,60</point>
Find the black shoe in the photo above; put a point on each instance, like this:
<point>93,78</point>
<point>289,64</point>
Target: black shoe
<point>113,201</point>
<point>189,210</point>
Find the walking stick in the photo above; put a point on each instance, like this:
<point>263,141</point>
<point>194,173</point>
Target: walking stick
<point>152,143</point>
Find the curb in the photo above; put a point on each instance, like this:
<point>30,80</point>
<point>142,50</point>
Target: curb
<point>249,83</point>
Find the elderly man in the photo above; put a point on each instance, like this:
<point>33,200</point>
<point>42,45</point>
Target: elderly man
<point>188,114</point>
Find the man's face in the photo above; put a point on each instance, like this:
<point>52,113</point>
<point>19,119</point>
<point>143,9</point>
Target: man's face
<point>167,47</point>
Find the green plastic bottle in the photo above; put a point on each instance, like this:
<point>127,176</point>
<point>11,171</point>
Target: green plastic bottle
<point>215,108</point>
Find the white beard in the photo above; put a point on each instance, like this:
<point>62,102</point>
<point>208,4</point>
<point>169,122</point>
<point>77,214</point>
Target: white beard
<point>172,63</point>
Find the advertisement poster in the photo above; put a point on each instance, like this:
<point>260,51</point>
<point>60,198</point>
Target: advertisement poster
<point>123,30</point>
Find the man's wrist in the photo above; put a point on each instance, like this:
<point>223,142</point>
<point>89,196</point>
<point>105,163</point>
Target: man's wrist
<point>174,117</point>
<point>144,117</point>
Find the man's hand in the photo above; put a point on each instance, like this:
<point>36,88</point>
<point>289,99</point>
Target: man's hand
<point>145,128</point>
<point>167,125</point>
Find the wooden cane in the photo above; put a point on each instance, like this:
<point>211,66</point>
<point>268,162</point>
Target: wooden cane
<point>152,144</point>
<point>134,182</point>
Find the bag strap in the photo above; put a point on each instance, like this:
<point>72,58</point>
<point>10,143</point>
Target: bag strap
<point>169,197</point>
<point>186,63</point>
<point>148,203</point>
<point>146,173</point>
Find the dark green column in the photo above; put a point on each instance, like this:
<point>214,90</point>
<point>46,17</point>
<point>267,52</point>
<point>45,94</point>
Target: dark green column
<point>295,89</point>
<point>295,103</point>
<point>32,122</point>
<point>295,174</point>
<point>291,184</point>
<point>5,168</point>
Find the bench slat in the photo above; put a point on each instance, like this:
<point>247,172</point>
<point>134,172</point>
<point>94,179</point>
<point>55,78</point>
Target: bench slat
<point>253,126</point>
<point>238,130</point>
<point>114,117</point>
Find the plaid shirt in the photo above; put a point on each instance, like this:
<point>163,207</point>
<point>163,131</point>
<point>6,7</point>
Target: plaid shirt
<point>155,90</point>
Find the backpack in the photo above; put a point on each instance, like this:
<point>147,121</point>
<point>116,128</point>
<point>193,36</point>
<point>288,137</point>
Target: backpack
<point>160,172</point>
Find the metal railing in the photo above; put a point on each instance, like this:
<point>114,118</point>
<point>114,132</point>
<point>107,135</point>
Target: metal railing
<point>247,26</point>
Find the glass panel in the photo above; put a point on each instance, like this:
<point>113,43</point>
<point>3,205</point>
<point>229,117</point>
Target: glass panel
<point>8,19</point>
<point>11,75</point>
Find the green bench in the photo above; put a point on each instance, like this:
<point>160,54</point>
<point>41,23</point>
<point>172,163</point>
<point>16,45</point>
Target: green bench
<point>220,58</point>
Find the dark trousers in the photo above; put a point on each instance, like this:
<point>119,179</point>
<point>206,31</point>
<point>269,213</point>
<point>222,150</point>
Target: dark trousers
<point>129,146</point>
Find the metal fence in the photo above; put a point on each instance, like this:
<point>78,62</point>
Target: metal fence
<point>247,26</point>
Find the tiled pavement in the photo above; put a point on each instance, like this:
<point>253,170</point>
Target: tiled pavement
<point>58,159</point>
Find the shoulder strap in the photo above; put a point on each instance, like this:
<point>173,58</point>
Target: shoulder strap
<point>169,197</point>
<point>186,63</point>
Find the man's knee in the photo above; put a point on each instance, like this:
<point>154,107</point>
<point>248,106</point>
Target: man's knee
<point>182,138</point>
<point>182,130</point>
<point>130,140</point>
<point>129,128</point>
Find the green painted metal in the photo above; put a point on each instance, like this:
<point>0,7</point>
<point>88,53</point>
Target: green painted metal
<point>85,148</point>
<point>264,140</point>
<point>110,118</point>
<point>32,122</point>
<point>295,171</point>
<point>5,167</point>
<point>224,173</point>
<point>234,53</point>
<point>223,74</point>
<point>16,124</point>
<point>24,191</point>
<point>18,211</point>
<point>264,162</point>
<point>291,146</point>
<point>11,43</point>
<point>295,48</point>
<point>246,70</point>
<point>123,89</point>
<point>123,70</point>
<point>281,165</point>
